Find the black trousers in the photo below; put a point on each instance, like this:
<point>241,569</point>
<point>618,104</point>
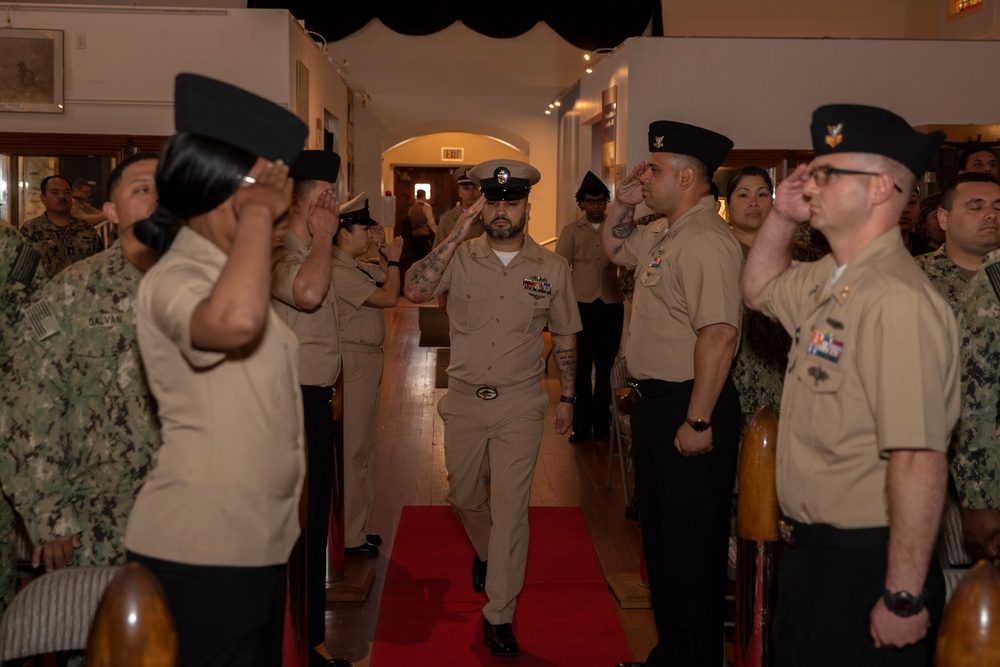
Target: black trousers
<point>321,468</point>
<point>685,506</point>
<point>224,615</point>
<point>827,588</point>
<point>596,347</point>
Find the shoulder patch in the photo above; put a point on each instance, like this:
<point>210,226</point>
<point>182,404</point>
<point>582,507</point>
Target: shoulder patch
<point>25,264</point>
<point>41,320</point>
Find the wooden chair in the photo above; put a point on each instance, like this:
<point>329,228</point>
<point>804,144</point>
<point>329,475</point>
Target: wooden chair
<point>621,432</point>
<point>970,628</point>
<point>53,613</point>
<point>133,626</point>
<point>955,560</point>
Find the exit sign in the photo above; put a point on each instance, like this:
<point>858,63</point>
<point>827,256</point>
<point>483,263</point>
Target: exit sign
<point>452,154</point>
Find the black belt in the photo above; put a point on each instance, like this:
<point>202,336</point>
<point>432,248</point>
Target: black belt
<point>797,534</point>
<point>311,392</point>
<point>648,388</point>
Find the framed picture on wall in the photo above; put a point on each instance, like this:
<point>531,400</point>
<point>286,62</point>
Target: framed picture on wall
<point>31,70</point>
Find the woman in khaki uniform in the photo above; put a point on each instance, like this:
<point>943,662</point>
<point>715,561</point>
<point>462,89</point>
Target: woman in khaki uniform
<point>218,516</point>
<point>363,290</point>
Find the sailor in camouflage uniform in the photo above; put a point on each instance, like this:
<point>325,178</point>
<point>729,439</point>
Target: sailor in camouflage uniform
<point>20,275</point>
<point>80,423</point>
<point>61,238</point>
<point>974,466</point>
<point>968,214</point>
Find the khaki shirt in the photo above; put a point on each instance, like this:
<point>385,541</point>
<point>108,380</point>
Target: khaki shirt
<point>225,489</point>
<point>873,368</point>
<point>355,283</point>
<point>448,222</point>
<point>316,330</point>
<point>498,312</point>
<point>687,276</point>
<point>594,276</point>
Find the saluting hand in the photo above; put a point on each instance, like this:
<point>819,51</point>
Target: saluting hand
<point>629,191</point>
<point>392,250</point>
<point>468,216</point>
<point>271,189</point>
<point>323,215</point>
<point>789,198</point>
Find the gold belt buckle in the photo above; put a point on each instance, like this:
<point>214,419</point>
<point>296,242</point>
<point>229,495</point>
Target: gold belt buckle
<point>787,531</point>
<point>487,393</point>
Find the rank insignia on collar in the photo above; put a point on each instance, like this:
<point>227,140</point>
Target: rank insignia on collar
<point>834,136</point>
<point>823,345</point>
<point>502,176</point>
<point>538,285</point>
<point>658,142</point>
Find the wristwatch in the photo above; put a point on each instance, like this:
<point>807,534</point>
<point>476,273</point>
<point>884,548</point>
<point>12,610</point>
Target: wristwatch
<point>904,604</point>
<point>567,399</point>
<point>699,425</point>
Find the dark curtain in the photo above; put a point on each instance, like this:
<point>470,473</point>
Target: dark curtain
<point>585,24</point>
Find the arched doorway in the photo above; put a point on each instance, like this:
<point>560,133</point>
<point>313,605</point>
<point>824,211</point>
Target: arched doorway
<point>428,161</point>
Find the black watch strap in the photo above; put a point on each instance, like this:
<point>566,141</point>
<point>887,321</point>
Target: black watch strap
<point>699,425</point>
<point>904,603</point>
<point>567,399</point>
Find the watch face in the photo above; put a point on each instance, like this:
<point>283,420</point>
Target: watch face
<point>699,425</point>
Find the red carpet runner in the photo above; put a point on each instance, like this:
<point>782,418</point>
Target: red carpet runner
<point>430,615</point>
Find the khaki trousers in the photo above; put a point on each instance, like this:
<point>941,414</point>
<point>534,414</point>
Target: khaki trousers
<point>494,442</point>
<point>362,366</point>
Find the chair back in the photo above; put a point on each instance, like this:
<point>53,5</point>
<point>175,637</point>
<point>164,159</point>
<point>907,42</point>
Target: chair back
<point>53,612</point>
<point>970,628</point>
<point>621,400</point>
<point>133,626</point>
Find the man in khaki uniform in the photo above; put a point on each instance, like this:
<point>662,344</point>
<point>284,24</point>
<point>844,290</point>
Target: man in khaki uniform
<point>504,289</point>
<point>363,290</point>
<point>468,193</point>
<point>682,337</point>
<point>602,310</point>
<point>869,403</point>
<point>303,298</point>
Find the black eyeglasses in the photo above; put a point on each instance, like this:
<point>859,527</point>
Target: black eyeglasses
<point>821,175</point>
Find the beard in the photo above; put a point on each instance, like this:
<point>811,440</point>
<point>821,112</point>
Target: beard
<point>511,231</point>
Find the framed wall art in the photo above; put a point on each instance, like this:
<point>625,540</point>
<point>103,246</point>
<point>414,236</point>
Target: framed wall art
<point>31,70</point>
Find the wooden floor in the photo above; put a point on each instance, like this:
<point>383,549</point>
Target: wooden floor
<point>410,471</point>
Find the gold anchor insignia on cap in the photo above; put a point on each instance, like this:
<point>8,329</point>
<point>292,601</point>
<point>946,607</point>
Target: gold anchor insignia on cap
<point>834,136</point>
<point>502,175</point>
<point>658,142</point>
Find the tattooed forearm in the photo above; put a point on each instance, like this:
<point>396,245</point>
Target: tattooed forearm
<point>619,226</point>
<point>423,277</point>
<point>564,352</point>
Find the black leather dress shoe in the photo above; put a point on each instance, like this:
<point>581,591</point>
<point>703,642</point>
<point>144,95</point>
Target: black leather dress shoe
<point>366,550</point>
<point>374,538</point>
<point>317,660</point>
<point>579,436</point>
<point>478,574</point>
<point>499,639</point>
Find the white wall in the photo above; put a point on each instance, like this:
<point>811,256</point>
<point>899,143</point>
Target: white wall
<point>123,81</point>
<point>766,101</point>
<point>460,81</point>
